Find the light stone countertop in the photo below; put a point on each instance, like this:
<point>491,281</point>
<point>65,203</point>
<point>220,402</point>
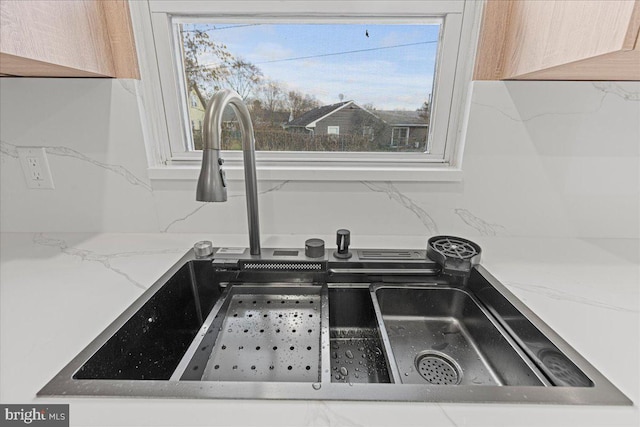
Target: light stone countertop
<point>58,291</point>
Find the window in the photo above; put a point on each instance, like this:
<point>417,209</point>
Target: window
<point>367,132</point>
<point>371,67</point>
<point>294,77</point>
<point>399,137</point>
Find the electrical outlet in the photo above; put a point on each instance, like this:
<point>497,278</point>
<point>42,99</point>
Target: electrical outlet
<point>35,167</point>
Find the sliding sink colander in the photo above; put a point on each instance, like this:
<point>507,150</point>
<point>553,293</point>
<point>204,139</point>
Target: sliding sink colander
<point>268,337</point>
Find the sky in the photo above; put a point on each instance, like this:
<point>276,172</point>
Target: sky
<point>392,68</point>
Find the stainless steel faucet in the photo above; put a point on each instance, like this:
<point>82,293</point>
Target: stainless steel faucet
<point>212,184</point>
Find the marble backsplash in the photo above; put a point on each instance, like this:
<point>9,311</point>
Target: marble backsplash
<point>541,159</point>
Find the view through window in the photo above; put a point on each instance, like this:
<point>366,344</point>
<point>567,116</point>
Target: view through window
<point>315,87</point>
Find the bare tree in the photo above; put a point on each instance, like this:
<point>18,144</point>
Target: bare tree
<point>298,103</point>
<point>204,78</point>
<point>425,111</point>
<point>272,95</point>
<point>242,76</point>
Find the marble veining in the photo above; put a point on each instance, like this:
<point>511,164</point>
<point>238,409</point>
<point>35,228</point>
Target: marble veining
<point>323,414</point>
<point>11,150</point>
<point>202,205</point>
<point>453,423</point>
<point>617,90</point>
<point>129,85</point>
<point>477,223</point>
<point>394,194</point>
<point>565,296</point>
<point>183,218</point>
<point>591,110</point>
<point>104,259</point>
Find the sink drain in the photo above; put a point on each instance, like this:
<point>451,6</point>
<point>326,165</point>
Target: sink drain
<point>437,369</point>
<point>563,370</point>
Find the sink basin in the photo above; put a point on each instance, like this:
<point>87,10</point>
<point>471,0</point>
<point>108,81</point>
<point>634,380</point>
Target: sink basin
<point>153,339</point>
<point>357,354</point>
<point>381,325</point>
<point>442,336</point>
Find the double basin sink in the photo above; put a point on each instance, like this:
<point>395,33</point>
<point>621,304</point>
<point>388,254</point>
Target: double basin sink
<point>383,325</point>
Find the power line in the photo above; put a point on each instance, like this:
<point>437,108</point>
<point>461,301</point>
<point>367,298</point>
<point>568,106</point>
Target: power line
<point>218,28</point>
<point>234,26</point>
<point>346,52</point>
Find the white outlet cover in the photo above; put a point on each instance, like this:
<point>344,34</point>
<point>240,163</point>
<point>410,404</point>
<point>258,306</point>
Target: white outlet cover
<point>39,153</point>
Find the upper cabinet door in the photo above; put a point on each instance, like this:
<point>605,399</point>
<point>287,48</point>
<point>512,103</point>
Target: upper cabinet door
<point>559,40</point>
<point>68,38</point>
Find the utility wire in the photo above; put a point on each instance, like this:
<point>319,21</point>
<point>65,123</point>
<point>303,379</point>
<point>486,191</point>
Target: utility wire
<point>345,52</point>
<point>218,28</point>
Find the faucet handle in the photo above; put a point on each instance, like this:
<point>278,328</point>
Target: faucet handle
<point>343,240</point>
<point>203,249</point>
<point>314,248</point>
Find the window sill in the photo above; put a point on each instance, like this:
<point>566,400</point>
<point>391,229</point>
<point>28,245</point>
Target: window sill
<point>317,173</point>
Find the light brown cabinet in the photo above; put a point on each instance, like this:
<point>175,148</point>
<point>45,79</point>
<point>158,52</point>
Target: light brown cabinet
<point>559,40</point>
<point>67,38</point>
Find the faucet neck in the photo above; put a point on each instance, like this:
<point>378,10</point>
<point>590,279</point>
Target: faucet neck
<point>212,183</point>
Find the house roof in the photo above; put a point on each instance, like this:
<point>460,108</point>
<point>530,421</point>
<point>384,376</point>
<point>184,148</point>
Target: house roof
<point>316,114</point>
<point>396,118</point>
<point>391,117</point>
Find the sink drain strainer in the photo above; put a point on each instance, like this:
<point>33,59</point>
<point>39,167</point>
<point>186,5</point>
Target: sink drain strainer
<point>563,370</point>
<point>437,369</point>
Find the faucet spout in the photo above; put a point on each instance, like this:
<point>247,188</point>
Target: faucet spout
<point>212,184</point>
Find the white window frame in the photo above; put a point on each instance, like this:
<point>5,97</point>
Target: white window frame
<point>333,130</point>
<point>163,92</point>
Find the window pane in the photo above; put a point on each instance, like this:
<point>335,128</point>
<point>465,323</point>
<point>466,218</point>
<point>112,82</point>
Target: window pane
<point>316,87</point>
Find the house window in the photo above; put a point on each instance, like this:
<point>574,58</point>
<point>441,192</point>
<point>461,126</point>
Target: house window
<point>367,132</point>
<point>399,137</point>
<point>300,66</point>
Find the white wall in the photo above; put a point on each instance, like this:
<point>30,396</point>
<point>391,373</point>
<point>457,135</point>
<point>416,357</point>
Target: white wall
<point>541,159</point>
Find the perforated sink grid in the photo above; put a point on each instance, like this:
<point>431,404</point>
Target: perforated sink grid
<point>268,338</point>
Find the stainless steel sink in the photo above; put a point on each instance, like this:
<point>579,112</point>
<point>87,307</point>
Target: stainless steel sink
<point>380,325</point>
<point>443,336</point>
